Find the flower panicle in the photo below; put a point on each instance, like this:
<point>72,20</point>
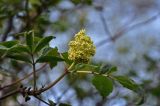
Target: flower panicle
<point>81,48</point>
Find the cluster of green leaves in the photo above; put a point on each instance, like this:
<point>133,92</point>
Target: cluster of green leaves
<point>31,51</point>
<point>103,79</point>
<point>34,50</point>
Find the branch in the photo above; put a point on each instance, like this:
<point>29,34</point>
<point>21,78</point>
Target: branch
<point>17,81</point>
<point>42,100</point>
<point>55,82</point>
<point>34,72</point>
<point>9,94</point>
<point>127,29</point>
<point>27,14</point>
<point>9,28</point>
<point>35,92</point>
<point>106,29</point>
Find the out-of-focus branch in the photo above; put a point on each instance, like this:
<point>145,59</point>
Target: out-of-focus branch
<point>8,28</point>
<point>9,94</point>
<point>105,25</point>
<point>127,29</point>
<point>35,92</point>
<point>17,81</point>
<point>42,100</point>
<point>27,13</point>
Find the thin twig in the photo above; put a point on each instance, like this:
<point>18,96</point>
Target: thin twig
<point>17,81</point>
<point>55,82</point>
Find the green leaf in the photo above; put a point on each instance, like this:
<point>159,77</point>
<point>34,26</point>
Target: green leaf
<point>52,60</point>
<point>89,2</point>
<point>103,85</point>
<point>104,68</point>
<point>50,51</point>
<point>64,104</point>
<point>107,68</point>
<point>19,57</point>
<point>76,1</point>
<point>9,44</point>
<point>35,2</point>
<point>126,82</point>
<point>18,49</point>
<point>53,52</point>
<point>3,51</point>
<point>51,103</point>
<point>48,59</point>
<point>65,57</point>
<point>37,39</point>
<point>42,43</point>
<point>130,84</point>
<point>30,39</point>
<point>112,70</point>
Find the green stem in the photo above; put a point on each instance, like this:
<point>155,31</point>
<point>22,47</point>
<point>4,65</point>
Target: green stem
<point>59,78</point>
<point>91,72</point>
<point>71,66</point>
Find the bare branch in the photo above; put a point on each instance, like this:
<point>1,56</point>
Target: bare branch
<point>8,29</point>
<point>106,29</point>
<point>127,29</point>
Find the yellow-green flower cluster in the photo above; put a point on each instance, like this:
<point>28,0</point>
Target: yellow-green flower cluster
<point>81,48</point>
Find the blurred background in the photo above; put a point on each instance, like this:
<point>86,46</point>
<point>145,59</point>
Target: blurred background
<point>126,34</point>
